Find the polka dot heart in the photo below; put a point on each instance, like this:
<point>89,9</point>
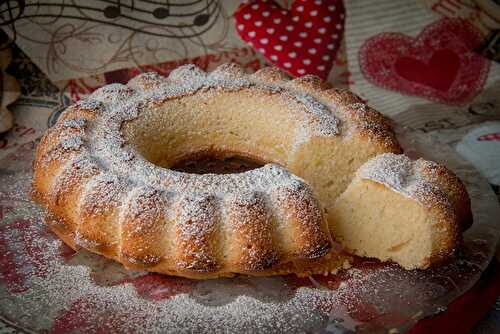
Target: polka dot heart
<point>302,40</point>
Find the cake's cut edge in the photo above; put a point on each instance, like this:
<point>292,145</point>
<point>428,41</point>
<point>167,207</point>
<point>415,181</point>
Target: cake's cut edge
<point>409,212</point>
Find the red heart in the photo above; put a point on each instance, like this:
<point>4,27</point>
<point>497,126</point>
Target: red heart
<point>439,64</point>
<point>490,137</point>
<point>439,73</point>
<point>302,40</point>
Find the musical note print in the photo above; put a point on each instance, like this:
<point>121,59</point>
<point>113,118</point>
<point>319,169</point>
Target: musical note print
<point>162,12</point>
<point>10,11</point>
<point>68,35</point>
<point>113,11</point>
<point>134,15</point>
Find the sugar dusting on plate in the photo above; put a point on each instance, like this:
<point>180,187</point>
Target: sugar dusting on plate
<point>83,292</point>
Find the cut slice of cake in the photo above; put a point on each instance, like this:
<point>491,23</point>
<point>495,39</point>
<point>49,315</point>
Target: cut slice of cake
<point>410,212</point>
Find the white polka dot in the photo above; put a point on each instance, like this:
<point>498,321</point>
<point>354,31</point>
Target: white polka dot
<point>274,57</point>
<point>322,30</point>
<point>251,34</point>
<point>250,42</point>
<point>321,67</point>
<point>278,47</point>
<point>312,51</point>
<point>317,40</point>
<point>255,6</point>
<point>258,23</point>
<point>331,8</point>
<point>277,20</point>
<point>266,14</point>
<point>241,27</point>
<point>306,61</point>
<point>330,46</point>
<point>317,2</point>
<point>284,12</point>
<point>292,54</point>
<point>335,36</point>
<point>303,34</point>
<point>264,40</point>
<point>308,24</point>
<point>295,19</point>
<point>287,65</point>
<point>270,30</point>
<point>262,50</point>
<point>300,8</point>
<point>297,44</point>
<point>247,16</point>
<point>327,19</point>
<point>338,26</point>
<point>289,28</point>
<point>313,12</point>
<point>325,57</point>
<point>301,71</point>
<point>284,38</point>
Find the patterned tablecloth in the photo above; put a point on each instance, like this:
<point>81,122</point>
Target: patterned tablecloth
<point>430,65</point>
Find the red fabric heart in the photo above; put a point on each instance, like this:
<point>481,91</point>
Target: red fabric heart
<point>302,40</point>
<point>439,64</point>
<point>438,74</point>
<point>490,137</point>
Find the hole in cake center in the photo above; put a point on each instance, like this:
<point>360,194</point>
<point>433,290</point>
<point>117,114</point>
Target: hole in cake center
<point>216,163</point>
<point>251,124</point>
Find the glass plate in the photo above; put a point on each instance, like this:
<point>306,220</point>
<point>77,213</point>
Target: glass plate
<point>45,286</point>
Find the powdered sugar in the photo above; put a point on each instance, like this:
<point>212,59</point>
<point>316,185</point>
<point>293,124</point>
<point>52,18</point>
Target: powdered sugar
<point>78,123</point>
<point>395,171</point>
<point>72,143</point>
<point>324,125</point>
<point>118,307</point>
<point>152,194</point>
<point>68,296</point>
<point>86,293</point>
<point>403,175</point>
<point>108,145</point>
<point>103,192</point>
<point>106,142</point>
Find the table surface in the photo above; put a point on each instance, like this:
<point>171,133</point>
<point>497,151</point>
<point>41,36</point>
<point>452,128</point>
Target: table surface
<point>69,64</point>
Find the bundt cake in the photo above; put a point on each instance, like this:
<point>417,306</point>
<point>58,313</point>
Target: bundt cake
<point>103,172</point>
<point>410,212</point>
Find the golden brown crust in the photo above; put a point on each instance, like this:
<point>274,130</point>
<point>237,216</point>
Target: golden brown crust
<point>445,228</point>
<point>364,120</point>
<point>309,83</point>
<point>142,225</point>
<point>301,210</point>
<point>197,234</point>
<point>146,81</point>
<point>454,188</point>
<point>197,221</point>
<point>99,211</point>
<point>330,263</point>
<point>251,244</point>
<point>434,187</point>
<point>450,205</point>
<point>356,115</point>
<point>271,74</point>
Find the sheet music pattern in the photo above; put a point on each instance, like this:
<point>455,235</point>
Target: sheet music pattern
<point>74,38</point>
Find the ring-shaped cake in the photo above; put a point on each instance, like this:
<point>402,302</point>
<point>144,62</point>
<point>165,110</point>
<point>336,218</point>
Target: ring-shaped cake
<point>103,171</point>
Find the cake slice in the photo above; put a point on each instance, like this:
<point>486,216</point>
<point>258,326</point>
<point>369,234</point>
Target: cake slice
<point>409,212</point>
